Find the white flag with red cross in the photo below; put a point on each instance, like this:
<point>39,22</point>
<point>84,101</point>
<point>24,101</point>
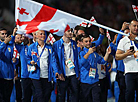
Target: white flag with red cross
<point>31,16</point>
<point>92,38</point>
<point>135,8</point>
<point>108,35</point>
<point>85,24</point>
<point>50,39</point>
<point>15,53</point>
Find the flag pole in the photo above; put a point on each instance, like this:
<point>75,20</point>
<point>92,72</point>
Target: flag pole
<point>108,28</point>
<point>96,24</point>
<point>136,16</point>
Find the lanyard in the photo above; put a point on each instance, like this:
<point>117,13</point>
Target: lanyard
<point>41,53</point>
<point>134,43</point>
<point>131,42</point>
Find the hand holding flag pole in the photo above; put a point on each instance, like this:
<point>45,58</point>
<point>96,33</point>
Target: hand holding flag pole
<point>136,16</point>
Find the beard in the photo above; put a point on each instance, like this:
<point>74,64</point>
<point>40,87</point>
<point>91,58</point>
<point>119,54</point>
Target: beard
<point>135,33</point>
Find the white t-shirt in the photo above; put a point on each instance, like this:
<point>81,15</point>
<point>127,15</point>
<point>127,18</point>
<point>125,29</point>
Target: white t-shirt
<point>101,72</point>
<point>131,65</point>
<point>43,62</point>
<point>69,54</point>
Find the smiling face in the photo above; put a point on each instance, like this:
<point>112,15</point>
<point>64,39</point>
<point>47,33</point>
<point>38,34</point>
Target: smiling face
<point>87,42</point>
<point>41,35</point>
<point>3,35</point>
<point>18,39</point>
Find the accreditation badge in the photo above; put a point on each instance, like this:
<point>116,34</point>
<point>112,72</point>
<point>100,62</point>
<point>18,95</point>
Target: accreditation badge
<point>69,64</point>
<point>29,68</point>
<point>32,68</point>
<point>92,72</point>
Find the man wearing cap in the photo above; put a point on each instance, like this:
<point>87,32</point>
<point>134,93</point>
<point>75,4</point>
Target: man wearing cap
<point>67,56</point>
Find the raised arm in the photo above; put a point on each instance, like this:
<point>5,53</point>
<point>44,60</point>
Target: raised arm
<point>100,39</point>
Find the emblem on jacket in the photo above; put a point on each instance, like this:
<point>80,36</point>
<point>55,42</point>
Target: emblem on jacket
<point>74,46</point>
<point>9,49</point>
<point>46,49</point>
<point>50,50</point>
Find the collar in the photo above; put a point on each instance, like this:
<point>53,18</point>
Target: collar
<point>85,49</point>
<point>67,43</point>
<point>36,44</point>
<point>40,46</point>
<point>62,41</point>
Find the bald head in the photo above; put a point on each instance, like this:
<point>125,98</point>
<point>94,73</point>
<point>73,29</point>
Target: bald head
<point>18,39</point>
<point>133,27</point>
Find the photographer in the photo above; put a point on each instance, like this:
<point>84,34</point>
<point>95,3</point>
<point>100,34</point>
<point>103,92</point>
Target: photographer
<point>126,51</point>
<point>90,86</point>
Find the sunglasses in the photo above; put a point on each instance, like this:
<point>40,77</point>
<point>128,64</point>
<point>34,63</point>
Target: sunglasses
<point>3,33</point>
<point>71,30</point>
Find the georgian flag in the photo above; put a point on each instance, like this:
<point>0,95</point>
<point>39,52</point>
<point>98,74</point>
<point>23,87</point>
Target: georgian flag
<point>31,16</point>
<point>84,23</point>
<point>92,38</point>
<point>135,8</point>
<point>108,35</point>
<point>15,53</point>
<point>50,39</point>
<point>33,53</point>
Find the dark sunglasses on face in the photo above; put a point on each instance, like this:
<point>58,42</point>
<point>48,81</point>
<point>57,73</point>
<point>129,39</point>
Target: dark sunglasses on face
<point>3,33</point>
<point>42,33</point>
<point>87,41</point>
<point>71,30</point>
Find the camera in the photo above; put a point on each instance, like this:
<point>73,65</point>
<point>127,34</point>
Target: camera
<point>93,44</point>
<point>56,76</point>
<point>132,48</point>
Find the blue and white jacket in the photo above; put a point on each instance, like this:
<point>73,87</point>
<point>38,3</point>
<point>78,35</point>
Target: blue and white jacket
<point>99,41</point>
<point>52,63</point>
<point>6,64</point>
<point>58,47</point>
<point>86,64</point>
<point>23,59</point>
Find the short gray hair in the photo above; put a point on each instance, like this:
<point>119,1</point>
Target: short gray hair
<point>38,31</point>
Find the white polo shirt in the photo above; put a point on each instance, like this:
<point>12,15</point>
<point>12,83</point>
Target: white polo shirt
<point>131,65</point>
<point>43,62</point>
<point>68,51</point>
